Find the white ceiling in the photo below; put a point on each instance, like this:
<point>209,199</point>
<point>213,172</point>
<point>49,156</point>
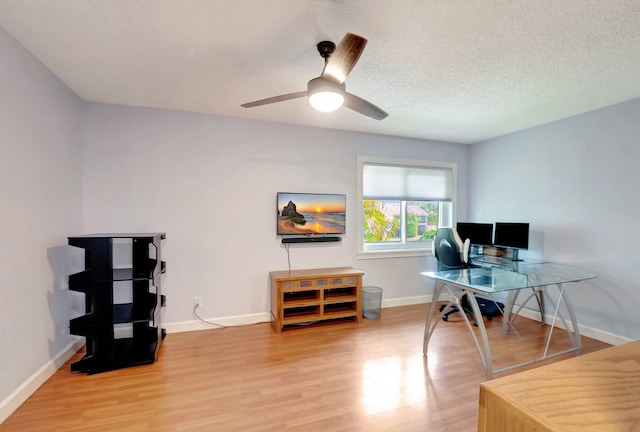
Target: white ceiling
<point>452,70</point>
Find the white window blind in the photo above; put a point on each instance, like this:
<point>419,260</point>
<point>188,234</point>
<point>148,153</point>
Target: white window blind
<point>408,183</point>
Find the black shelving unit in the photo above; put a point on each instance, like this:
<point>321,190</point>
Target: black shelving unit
<point>105,348</point>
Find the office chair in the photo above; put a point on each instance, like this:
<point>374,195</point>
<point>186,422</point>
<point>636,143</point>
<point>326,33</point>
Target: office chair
<point>449,250</point>
<point>451,254</point>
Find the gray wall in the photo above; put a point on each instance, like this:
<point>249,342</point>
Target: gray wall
<point>210,183</point>
<point>575,181</point>
<point>40,204</point>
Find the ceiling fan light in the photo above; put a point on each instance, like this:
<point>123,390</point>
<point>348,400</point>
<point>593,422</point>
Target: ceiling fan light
<point>325,96</point>
<point>326,101</point>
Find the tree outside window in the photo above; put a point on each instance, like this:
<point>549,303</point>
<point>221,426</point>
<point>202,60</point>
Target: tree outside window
<point>399,221</point>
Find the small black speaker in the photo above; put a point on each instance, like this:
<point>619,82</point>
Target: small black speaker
<point>322,239</point>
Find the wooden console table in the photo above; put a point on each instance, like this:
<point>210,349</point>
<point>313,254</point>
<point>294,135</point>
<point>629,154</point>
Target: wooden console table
<point>594,392</point>
<point>305,296</point>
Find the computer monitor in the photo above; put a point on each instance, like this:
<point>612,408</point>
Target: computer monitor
<point>477,233</point>
<point>512,235</point>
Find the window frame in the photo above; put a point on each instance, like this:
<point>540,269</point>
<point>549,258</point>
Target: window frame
<point>395,250</point>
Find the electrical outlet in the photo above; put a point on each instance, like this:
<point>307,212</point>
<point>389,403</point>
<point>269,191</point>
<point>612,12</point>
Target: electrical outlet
<point>197,302</point>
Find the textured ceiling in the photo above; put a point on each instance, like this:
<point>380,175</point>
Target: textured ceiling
<point>452,70</point>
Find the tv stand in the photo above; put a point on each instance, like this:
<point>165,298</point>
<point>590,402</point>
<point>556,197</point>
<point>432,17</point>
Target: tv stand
<point>307,296</point>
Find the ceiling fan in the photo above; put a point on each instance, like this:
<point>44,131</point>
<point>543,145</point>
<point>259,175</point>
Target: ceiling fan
<point>327,92</point>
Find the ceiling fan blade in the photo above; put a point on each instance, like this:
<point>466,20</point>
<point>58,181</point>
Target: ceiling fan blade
<point>360,105</point>
<point>275,99</point>
<point>344,58</point>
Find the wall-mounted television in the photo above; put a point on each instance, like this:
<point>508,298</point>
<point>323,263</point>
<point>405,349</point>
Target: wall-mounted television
<point>311,213</point>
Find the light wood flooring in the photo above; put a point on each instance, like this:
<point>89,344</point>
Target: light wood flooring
<point>335,377</point>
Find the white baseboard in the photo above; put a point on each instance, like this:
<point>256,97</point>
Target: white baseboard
<point>406,301</point>
<point>589,332</point>
<point>219,322</point>
<point>240,320</point>
<point>22,393</point>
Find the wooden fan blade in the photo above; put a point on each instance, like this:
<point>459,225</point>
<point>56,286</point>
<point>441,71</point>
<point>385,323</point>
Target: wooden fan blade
<point>275,99</point>
<point>360,105</point>
<point>344,58</point>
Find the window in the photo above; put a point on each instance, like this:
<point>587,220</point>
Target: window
<point>403,203</point>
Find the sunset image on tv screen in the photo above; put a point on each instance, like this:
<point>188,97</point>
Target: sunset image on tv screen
<point>302,213</point>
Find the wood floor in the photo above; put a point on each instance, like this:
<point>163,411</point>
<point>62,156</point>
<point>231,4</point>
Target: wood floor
<point>337,377</point>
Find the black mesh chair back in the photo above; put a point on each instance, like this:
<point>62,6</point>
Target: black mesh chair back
<point>449,250</point>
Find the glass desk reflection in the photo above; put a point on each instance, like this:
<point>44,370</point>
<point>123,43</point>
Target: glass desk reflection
<point>539,277</point>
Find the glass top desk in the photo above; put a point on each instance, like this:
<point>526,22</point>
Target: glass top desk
<point>489,280</point>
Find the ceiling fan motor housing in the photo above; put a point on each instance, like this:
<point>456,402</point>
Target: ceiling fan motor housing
<point>322,84</point>
<point>326,48</point>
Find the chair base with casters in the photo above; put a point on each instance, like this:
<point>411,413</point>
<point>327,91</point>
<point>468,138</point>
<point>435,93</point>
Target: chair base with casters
<point>488,308</point>
<point>466,307</point>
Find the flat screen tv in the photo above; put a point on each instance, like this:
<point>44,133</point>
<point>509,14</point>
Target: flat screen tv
<point>512,235</point>
<point>311,213</point>
<point>477,233</point>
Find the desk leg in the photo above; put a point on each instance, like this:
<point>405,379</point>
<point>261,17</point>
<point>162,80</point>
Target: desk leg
<point>432,320</point>
<point>510,315</point>
<point>540,299</point>
<point>574,331</point>
<point>484,350</point>
<point>507,321</point>
<point>577,338</point>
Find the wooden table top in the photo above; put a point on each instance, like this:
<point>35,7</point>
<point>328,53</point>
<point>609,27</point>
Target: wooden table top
<point>599,392</point>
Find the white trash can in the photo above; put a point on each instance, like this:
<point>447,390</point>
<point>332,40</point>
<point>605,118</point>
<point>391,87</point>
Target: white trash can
<point>371,302</point>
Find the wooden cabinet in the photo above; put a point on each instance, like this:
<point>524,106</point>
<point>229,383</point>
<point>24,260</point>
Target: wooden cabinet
<point>594,392</point>
<point>306,296</point>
